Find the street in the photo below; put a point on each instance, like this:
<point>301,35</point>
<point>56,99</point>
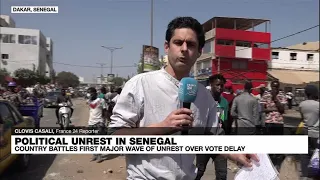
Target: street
<point>79,167</point>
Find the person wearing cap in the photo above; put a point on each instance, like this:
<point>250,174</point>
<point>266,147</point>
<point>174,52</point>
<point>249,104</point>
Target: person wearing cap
<point>309,110</point>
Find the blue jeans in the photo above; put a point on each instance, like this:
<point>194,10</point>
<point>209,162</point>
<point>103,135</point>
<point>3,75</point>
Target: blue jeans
<point>305,158</point>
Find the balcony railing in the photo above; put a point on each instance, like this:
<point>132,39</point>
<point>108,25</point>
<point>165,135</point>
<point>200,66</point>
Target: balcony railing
<point>205,56</point>
<point>210,34</point>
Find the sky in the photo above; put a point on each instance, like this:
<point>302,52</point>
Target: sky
<point>81,27</point>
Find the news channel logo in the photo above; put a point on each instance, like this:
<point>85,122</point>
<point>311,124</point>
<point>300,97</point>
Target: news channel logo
<point>35,9</point>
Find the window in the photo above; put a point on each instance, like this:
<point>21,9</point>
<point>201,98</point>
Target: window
<point>225,42</point>
<point>5,56</point>
<point>243,43</point>
<point>207,47</point>
<point>239,64</point>
<point>8,38</point>
<point>309,57</point>
<point>275,55</point>
<point>261,45</point>
<point>27,39</point>
<point>293,56</point>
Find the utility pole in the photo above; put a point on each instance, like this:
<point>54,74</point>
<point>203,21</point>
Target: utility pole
<point>102,76</point>
<point>111,49</point>
<point>151,24</point>
<point>151,33</point>
<point>101,65</point>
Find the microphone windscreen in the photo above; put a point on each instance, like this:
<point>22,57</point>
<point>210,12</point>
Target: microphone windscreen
<point>188,90</point>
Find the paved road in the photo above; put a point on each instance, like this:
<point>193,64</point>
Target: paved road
<point>40,164</point>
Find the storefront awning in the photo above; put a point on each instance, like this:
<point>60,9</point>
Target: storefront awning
<point>294,76</point>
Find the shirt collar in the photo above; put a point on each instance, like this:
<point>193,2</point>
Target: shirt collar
<point>168,76</point>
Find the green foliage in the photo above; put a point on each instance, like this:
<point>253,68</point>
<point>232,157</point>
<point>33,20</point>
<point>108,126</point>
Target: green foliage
<point>3,74</point>
<point>139,68</point>
<point>67,79</point>
<point>27,77</point>
<point>118,81</point>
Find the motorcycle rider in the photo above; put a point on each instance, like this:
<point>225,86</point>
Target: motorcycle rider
<point>63,98</point>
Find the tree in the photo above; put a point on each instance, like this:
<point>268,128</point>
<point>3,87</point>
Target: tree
<point>118,81</point>
<point>67,79</point>
<point>25,77</point>
<point>139,70</point>
<point>3,74</point>
<point>43,79</point>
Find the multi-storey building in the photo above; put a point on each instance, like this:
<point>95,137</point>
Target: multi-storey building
<point>233,48</point>
<point>24,48</point>
<point>295,66</point>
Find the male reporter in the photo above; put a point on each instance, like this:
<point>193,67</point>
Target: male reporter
<point>151,100</point>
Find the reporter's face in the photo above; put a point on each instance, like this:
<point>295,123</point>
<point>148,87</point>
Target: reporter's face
<point>183,49</point>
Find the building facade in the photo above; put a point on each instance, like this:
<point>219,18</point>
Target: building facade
<point>293,59</point>
<point>25,48</point>
<point>295,66</point>
<point>234,49</point>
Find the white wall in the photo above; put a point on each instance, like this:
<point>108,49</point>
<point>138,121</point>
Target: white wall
<point>9,20</point>
<point>284,62</point>
<point>49,45</point>
<point>24,55</point>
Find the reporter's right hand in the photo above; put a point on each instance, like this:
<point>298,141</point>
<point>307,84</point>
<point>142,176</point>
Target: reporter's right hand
<point>178,119</point>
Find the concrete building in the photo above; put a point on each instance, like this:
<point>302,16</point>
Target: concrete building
<point>25,48</point>
<point>295,65</point>
<point>235,49</point>
<point>296,57</point>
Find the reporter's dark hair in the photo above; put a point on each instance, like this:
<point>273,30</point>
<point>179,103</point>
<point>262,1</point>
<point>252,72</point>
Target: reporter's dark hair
<point>217,76</point>
<point>186,22</point>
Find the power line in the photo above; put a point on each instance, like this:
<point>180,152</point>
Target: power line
<point>286,36</point>
<point>135,65</point>
<point>296,33</point>
<point>86,66</point>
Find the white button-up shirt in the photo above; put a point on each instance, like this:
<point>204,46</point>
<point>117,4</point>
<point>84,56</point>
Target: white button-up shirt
<point>147,99</point>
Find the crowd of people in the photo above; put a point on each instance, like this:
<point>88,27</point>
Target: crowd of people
<point>247,114</point>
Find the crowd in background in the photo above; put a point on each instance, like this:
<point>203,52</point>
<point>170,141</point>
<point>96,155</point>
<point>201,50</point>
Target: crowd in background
<point>243,113</point>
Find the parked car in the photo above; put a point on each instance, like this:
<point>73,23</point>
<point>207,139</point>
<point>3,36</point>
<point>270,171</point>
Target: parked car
<point>51,99</point>
<point>10,118</point>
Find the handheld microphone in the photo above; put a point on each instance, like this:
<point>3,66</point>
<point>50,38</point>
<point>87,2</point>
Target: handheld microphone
<point>187,93</point>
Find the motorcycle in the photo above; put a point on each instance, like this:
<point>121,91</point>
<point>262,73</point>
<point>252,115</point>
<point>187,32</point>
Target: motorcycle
<point>64,115</point>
